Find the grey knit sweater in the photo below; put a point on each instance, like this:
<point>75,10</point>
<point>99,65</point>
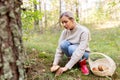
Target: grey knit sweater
<point>79,35</point>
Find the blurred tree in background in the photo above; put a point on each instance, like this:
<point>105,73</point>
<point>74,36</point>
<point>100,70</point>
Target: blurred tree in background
<point>43,15</point>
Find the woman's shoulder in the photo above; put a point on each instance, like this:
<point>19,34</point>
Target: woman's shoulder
<point>83,28</point>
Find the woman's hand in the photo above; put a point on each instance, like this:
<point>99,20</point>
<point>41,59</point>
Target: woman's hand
<point>61,70</point>
<point>54,68</point>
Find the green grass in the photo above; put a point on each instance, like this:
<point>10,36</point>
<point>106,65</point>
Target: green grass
<point>41,42</point>
<point>103,40</point>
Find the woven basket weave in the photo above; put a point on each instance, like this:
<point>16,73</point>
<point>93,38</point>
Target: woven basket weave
<point>106,61</point>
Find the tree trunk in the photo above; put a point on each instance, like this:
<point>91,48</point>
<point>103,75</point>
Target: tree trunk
<point>60,2</point>
<point>36,21</point>
<point>11,48</point>
<point>40,21</point>
<point>77,10</point>
<point>45,15</point>
<point>60,7</point>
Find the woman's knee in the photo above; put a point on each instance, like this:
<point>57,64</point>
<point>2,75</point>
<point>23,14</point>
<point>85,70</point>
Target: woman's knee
<point>71,49</point>
<point>64,44</point>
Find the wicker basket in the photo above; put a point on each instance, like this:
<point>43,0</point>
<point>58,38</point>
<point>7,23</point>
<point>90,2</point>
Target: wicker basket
<point>105,61</point>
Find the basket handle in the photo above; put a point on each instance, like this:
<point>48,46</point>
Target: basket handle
<point>109,59</point>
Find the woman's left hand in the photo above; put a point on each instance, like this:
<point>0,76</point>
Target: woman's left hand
<point>61,70</point>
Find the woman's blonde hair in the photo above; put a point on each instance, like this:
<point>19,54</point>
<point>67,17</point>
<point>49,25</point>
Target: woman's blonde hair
<point>67,14</point>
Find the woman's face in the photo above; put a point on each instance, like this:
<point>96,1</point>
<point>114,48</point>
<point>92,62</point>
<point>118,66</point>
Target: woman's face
<point>67,23</point>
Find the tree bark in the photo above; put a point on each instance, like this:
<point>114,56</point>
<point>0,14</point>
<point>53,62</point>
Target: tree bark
<point>11,47</point>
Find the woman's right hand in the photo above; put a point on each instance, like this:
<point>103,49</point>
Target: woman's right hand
<point>54,68</point>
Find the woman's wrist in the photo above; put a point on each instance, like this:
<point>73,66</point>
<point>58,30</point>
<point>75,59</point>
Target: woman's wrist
<point>55,64</point>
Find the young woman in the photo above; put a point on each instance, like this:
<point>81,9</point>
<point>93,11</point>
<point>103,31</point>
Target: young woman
<point>74,43</point>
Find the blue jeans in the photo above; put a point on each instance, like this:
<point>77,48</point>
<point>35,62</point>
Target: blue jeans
<point>68,48</point>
